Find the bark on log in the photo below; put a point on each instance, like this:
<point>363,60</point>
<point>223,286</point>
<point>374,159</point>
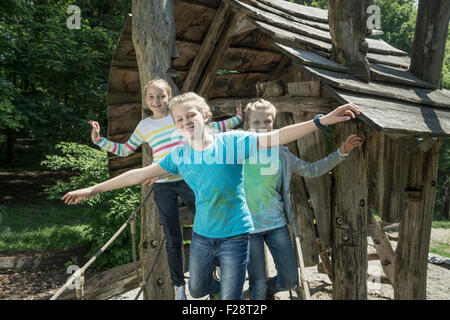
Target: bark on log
<point>348,28</point>
<point>154,43</point>
<point>428,50</point>
<point>349,219</point>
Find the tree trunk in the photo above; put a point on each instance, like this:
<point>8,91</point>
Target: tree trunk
<point>349,217</point>
<point>153,32</point>
<point>428,50</point>
<point>348,28</point>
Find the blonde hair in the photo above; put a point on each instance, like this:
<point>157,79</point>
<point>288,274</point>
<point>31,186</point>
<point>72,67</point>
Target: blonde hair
<point>159,82</point>
<point>195,100</point>
<point>259,105</point>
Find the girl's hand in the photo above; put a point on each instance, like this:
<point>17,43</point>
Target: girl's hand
<point>95,132</point>
<point>150,182</point>
<point>77,195</point>
<point>340,114</point>
<point>350,143</point>
<point>239,109</point>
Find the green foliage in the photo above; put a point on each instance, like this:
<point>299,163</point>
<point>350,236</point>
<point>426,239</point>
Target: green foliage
<point>53,79</point>
<point>108,210</point>
<point>322,4</point>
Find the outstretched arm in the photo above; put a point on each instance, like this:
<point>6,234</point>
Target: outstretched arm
<point>129,178</point>
<point>230,123</point>
<point>296,131</point>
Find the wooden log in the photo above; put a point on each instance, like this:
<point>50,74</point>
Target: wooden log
<point>233,84</point>
<point>250,60</point>
<point>222,107</point>
<point>154,42</point>
<point>430,38</point>
<point>312,148</point>
<point>190,29</point>
<point>349,217</point>
<point>304,88</point>
<point>236,24</point>
<point>255,39</point>
<point>132,160</point>
<point>123,118</point>
<point>108,284</point>
<point>124,80</point>
<point>299,200</point>
<point>206,48</point>
<point>383,248</point>
<point>415,225</point>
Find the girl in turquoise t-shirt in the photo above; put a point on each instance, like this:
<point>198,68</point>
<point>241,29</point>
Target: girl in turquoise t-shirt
<point>223,221</point>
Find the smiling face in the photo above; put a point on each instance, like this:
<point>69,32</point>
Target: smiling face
<point>157,99</point>
<point>189,121</point>
<point>260,121</point>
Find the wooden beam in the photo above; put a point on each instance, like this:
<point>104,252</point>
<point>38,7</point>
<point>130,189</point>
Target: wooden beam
<point>221,107</point>
<point>349,219</point>
<point>154,42</point>
<point>430,38</point>
<point>207,47</point>
<point>415,226</point>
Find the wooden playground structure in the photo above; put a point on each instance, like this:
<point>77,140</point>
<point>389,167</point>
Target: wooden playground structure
<point>305,61</point>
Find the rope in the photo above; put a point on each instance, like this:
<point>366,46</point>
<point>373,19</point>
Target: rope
<point>80,272</point>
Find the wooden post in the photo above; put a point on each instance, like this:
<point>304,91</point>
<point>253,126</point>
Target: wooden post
<point>348,28</point>
<point>153,33</point>
<point>415,225</point>
<point>428,50</point>
<point>349,216</point>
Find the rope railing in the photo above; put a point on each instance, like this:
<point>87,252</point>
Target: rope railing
<point>79,274</point>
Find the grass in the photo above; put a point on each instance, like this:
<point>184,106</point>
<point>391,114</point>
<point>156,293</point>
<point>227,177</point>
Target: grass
<point>43,226</point>
<point>441,224</point>
<point>440,248</point>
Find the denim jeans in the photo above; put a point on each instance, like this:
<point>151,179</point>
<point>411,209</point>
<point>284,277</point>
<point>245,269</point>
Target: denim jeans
<point>232,254</point>
<point>166,198</point>
<point>279,243</point>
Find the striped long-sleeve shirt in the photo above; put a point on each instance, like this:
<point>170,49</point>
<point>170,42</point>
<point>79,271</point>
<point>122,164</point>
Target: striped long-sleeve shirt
<point>162,136</point>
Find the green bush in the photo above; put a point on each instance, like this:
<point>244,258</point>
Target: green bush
<point>108,210</point>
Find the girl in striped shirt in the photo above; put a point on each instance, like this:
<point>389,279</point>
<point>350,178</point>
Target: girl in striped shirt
<point>160,133</point>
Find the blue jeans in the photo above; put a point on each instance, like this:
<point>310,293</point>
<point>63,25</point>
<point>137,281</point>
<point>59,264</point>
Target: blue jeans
<point>279,243</point>
<point>232,254</point>
<point>166,198</point>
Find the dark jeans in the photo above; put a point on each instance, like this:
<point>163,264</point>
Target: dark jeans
<point>166,198</point>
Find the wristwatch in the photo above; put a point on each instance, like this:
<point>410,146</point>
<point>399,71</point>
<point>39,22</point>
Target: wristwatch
<point>317,121</point>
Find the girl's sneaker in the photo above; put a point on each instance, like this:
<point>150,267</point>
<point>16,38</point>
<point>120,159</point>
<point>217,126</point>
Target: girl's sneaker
<point>180,292</point>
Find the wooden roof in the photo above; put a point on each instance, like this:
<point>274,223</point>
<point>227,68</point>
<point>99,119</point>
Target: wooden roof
<point>302,33</point>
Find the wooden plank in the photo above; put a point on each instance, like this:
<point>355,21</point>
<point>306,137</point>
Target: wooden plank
<point>384,249</point>
<point>107,284</point>
<point>349,219</point>
<point>124,80</point>
<point>123,118</point>
<point>435,98</point>
<point>298,10</point>
<point>188,51</point>
<point>415,226</point>
<point>221,107</point>
<point>291,38</point>
<point>119,98</point>
<point>188,26</point>
<point>207,47</point>
<point>389,60</point>
<point>132,160</point>
<point>235,23</point>
<point>304,88</point>
<point>393,116</point>
<point>124,55</point>
<point>235,85</point>
<point>250,60</point>
<point>310,58</point>
<point>255,39</point>
<point>375,45</point>
<point>389,74</point>
<point>312,23</point>
<point>312,148</point>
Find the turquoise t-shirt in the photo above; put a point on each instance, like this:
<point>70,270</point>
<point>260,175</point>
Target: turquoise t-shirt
<point>263,190</point>
<point>216,177</point>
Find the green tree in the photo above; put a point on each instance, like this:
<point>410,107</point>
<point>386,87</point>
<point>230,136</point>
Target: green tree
<point>55,78</point>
